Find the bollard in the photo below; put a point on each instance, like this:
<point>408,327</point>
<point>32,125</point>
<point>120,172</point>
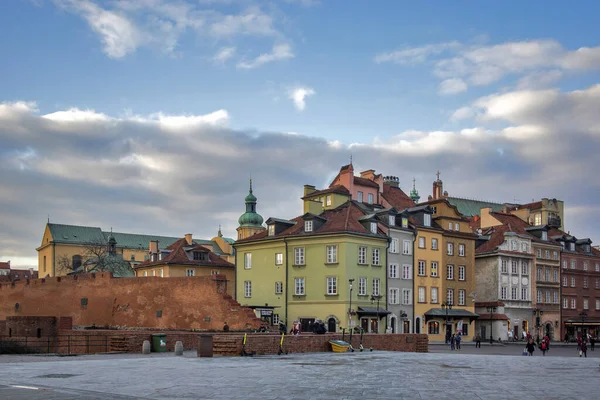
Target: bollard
<point>205,345</point>
<point>179,348</point>
<point>146,347</point>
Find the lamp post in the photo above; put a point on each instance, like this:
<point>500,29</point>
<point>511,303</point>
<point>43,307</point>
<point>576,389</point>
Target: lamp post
<point>583,316</point>
<point>491,310</point>
<point>537,313</point>
<point>350,308</point>
<point>446,307</point>
<point>373,298</point>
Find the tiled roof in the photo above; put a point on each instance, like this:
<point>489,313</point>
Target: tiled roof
<point>341,219</point>
<point>182,253</point>
<point>365,182</point>
<point>4,265</point>
<point>532,206</point>
<point>396,197</point>
<point>470,207</point>
<point>496,235</point>
<point>553,232</point>
<point>335,189</point>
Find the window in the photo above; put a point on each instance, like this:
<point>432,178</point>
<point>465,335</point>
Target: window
<point>299,286</point>
<point>597,304</point>
<point>461,297</point>
<point>406,247</point>
<point>450,272</point>
<point>539,253</point>
<point>537,219</point>
<point>524,247</point>
<point>555,275</point>
<point>547,275</point>
<point>565,283</point>
<point>190,272</point>
<point>247,289</point>
<point>393,296</point>
<point>421,242</point>
<point>514,267</point>
<point>565,264</point>
<point>360,197</point>
<point>450,249</point>
<point>565,302</point>
<point>427,219</point>
<point>461,272</point>
<point>198,256</point>
<point>308,226</point>
<point>597,267</point>
<point>547,254</point>
<point>279,259</point>
<point>362,286</point>
<point>572,281</point>
<point>362,255</point>
<point>214,272</point>
<point>271,230</point>
<point>573,264</point>
<point>247,260</point>
<point>572,246</point>
<point>421,268</point>
<point>406,296</point>
<point>573,303</point>
<point>376,260</point>
<point>585,283</point>
<point>160,272</point>
<point>392,220</point>
<point>457,227</point>
<point>331,285</point>
<point>331,254</point>
<point>373,227</point>
<point>505,266</point>
<point>503,293</point>
<point>433,328</point>
<point>328,200</point>
<point>524,268</point>
<point>434,269</point>
<point>370,198</point>
<point>555,297</point>
<point>513,245</point>
<point>450,296</point>
<point>145,273</point>
<point>394,246</point>
<point>538,296</point>
<point>404,222</point>
<point>153,272</point>
<point>597,283</point>
<point>524,294</point>
<point>434,244</point>
<point>376,286</point>
<point>465,330</point>
<point>544,235</point>
<point>555,255</point>
<point>393,271</point>
<point>275,319</point>
<point>434,295</point>
<point>299,256</point>
<point>421,294</point>
<point>585,265</point>
<point>449,226</point>
<point>461,250</point>
<point>585,304</point>
<point>406,271</point>
<point>513,293</point>
<point>278,287</point>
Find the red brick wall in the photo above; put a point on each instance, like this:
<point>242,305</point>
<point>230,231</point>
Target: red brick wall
<point>28,326</point>
<point>185,303</point>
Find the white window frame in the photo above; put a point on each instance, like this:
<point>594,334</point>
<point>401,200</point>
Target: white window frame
<point>332,254</point>
<point>573,303</point>
<point>421,242</point>
<point>331,285</point>
<point>299,286</point>
<point>362,286</point>
<point>406,271</point>
<point>435,269</point>
<point>391,220</point>
<point>462,296</point>
<point>434,244</point>
<point>271,230</point>
<point>504,293</point>
<point>370,198</point>
<point>406,296</point>
<point>450,226</point>
<point>275,319</point>
<point>394,296</point>
<point>524,267</point>
<point>373,226</point>
<point>450,249</point>
<point>565,302</point>
<point>404,222</point>
<point>308,226</point>
<point>394,243</point>
<point>328,200</point>
<point>525,292</point>
<point>421,298</point>
<point>393,271</point>
<point>376,259</point>
<point>278,287</point>
<point>514,267</point>
<point>376,286</point>
<point>434,295</point>
<point>449,272</point>
<point>461,250</point>
<point>247,260</point>
<point>456,226</point>
<point>299,256</point>
<point>514,294</point>
<point>461,273</point>
<point>362,255</point>
<point>421,268</point>
<point>190,272</point>
<point>586,304</point>
<point>407,247</point>
<point>278,258</point>
<point>450,296</point>
<point>427,219</point>
<point>247,289</point>
<point>360,196</point>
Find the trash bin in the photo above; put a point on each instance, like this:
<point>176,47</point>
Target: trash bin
<point>159,342</point>
<point>205,345</point>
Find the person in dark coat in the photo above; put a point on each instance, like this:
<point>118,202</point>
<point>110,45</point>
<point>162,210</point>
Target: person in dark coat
<point>583,349</point>
<point>530,347</point>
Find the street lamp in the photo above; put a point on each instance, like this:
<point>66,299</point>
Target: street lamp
<point>583,316</point>
<point>537,313</point>
<point>491,310</point>
<point>373,298</point>
<point>446,307</point>
<point>350,308</point>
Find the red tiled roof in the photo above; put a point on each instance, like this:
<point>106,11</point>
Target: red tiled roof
<point>557,232</point>
<point>396,197</point>
<point>178,255</point>
<point>496,239</point>
<point>365,182</point>
<point>16,274</point>
<point>532,206</point>
<point>341,219</point>
<point>335,189</point>
<point>4,265</point>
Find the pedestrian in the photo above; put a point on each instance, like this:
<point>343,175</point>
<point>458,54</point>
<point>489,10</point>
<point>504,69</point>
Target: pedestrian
<point>458,339</point>
<point>547,340</point>
<point>592,343</point>
<point>583,350</point>
<point>452,342</point>
<point>579,340</point>
<point>530,347</point>
<point>544,347</point>
<point>478,341</point>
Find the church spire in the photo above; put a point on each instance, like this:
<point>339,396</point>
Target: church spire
<point>414,193</point>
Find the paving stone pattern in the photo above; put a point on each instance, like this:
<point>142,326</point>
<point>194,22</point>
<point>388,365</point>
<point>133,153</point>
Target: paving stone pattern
<point>370,375</point>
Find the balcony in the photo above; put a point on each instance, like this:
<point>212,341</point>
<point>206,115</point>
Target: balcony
<point>554,221</point>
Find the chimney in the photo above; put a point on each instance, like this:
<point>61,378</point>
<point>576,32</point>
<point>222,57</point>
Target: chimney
<point>392,181</point>
<point>308,189</point>
<point>368,174</point>
<point>153,247</point>
<point>188,238</point>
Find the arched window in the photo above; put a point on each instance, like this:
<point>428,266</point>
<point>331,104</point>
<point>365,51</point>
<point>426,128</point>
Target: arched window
<point>434,328</point>
<point>76,261</point>
<point>331,325</point>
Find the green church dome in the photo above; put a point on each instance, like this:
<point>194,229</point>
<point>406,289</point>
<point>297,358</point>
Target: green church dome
<point>251,217</point>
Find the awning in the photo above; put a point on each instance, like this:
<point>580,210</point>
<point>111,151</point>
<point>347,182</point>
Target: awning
<point>455,313</point>
<point>372,311</point>
<point>579,322</point>
<point>264,311</point>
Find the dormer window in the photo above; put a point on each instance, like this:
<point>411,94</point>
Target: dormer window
<point>392,220</point>
<point>373,227</point>
<point>271,230</point>
<point>360,197</point>
<point>572,247</point>
<point>200,256</point>
<point>544,235</point>
<point>587,248</point>
<point>427,219</point>
<point>370,198</point>
<point>308,226</point>
<point>405,222</point>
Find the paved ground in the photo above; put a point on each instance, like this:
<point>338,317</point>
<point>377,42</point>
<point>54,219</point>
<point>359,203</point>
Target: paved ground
<point>376,375</point>
<point>513,349</point>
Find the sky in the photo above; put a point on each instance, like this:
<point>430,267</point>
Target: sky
<point>150,116</point>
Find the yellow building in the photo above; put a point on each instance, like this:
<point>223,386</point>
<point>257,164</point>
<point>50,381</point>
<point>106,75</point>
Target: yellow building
<point>65,248</point>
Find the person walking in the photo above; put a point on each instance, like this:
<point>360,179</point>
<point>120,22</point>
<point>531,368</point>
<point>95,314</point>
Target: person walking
<point>544,347</point>
<point>530,347</point>
<point>452,342</point>
<point>478,341</point>
<point>583,349</point>
<point>592,343</point>
<point>547,340</point>
<point>458,339</point>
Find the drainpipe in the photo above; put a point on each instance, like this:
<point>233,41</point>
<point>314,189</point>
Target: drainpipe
<point>387,248</point>
<point>236,273</point>
<point>286,282</point>
<point>53,259</point>
<point>413,275</point>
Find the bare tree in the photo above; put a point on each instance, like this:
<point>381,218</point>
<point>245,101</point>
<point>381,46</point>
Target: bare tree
<point>95,258</point>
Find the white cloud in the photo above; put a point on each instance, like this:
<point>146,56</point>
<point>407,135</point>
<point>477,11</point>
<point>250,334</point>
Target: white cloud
<point>279,52</point>
<point>462,113</point>
<point>298,95</point>
<point>76,115</point>
<point>416,55</point>
<point>540,79</point>
<point>452,86</point>
<point>252,22</point>
<point>224,54</point>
